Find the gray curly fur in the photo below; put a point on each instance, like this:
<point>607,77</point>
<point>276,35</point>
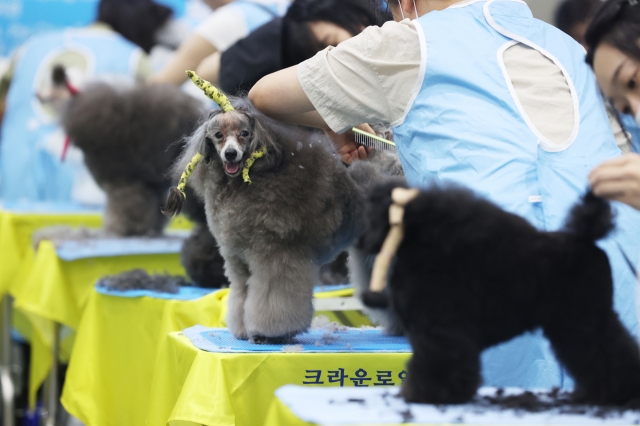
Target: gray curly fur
<point>138,279</point>
<point>200,255</point>
<point>129,141</point>
<point>302,209</point>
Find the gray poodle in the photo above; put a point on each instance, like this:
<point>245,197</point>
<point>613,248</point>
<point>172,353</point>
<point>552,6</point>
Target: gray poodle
<point>280,203</point>
<point>128,138</point>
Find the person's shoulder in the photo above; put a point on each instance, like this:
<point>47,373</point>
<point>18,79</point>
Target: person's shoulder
<point>390,33</point>
<point>386,41</point>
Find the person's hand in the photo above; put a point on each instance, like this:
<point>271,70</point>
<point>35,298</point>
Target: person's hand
<point>346,145</point>
<point>618,179</point>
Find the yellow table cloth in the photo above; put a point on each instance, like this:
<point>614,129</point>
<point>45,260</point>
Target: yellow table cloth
<point>16,229</point>
<point>55,290</point>
<point>194,387</point>
<point>108,382</point>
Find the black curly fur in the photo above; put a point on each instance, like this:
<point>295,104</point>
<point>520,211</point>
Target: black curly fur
<point>591,219</point>
<point>469,276</point>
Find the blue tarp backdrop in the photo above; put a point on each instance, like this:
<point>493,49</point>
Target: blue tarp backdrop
<point>20,19</point>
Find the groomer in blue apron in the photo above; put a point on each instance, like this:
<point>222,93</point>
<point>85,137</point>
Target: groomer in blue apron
<point>482,94</point>
<point>31,141</point>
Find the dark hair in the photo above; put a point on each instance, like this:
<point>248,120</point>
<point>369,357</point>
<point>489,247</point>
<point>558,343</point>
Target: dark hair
<point>135,20</point>
<point>617,22</point>
<point>298,42</point>
<point>572,12</point>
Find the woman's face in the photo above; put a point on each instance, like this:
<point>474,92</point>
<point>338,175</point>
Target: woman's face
<point>328,33</point>
<point>619,77</point>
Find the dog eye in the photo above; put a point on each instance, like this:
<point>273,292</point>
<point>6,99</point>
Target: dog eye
<point>219,135</point>
<point>244,133</point>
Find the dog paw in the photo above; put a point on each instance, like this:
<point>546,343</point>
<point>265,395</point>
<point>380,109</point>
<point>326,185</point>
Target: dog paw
<point>278,340</point>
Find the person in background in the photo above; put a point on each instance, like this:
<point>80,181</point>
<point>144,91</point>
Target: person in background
<point>231,21</point>
<point>113,48</point>
<point>573,17</point>
<point>481,94</point>
<point>308,27</point>
<point>613,39</point>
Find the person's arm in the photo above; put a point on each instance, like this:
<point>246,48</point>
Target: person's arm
<point>280,96</point>
<point>618,179</point>
<point>188,57</point>
<point>209,68</point>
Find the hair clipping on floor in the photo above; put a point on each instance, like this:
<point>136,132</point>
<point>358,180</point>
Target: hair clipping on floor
<point>177,195</point>
<point>211,91</point>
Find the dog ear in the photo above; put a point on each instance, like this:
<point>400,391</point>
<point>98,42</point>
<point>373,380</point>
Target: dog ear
<point>209,150</point>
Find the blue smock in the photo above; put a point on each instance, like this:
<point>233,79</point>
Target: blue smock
<point>466,125</point>
<point>632,128</point>
<point>30,140</point>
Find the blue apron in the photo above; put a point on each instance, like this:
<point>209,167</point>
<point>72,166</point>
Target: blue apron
<point>30,141</point>
<point>633,129</point>
<point>466,125</point>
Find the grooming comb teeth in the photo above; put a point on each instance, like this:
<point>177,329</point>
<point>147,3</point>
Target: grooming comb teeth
<point>373,141</point>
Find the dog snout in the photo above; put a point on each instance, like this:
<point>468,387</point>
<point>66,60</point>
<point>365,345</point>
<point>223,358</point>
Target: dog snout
<point>231,154</point>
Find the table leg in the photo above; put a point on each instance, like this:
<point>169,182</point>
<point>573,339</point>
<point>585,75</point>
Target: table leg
<point>51,389</point>
<point>6,381</point>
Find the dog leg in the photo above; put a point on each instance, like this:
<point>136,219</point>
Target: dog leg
<point>444,369</point>
<point>133,210</point>
<point>238,274</point>
<point>280,296</point>
<point>601,356</point>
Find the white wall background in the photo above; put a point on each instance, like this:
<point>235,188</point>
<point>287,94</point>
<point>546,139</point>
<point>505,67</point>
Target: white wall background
<point>544,9</point>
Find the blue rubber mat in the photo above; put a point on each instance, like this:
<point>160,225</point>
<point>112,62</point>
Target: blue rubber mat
<point>185,293</point>
<point>316,340</point>
<point>326,288</point>
<point>109,247</point>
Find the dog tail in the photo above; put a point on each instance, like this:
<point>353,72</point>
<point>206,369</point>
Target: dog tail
<point>591,219</point>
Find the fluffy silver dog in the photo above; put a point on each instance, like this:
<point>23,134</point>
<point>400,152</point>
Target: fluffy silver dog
<point>278,219</point>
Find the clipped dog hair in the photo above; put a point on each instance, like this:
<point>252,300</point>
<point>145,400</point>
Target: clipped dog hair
<point>469,275</point>
<point>139,279</point>
<point>130,138</point>
<point>302,208</point>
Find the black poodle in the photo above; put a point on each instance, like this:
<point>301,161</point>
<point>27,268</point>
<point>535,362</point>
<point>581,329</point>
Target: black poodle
<point>468,276</point>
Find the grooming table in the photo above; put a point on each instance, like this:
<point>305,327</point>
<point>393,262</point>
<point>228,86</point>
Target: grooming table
<point>235,384</point>
<point>112,365</point>
<point>61,279</point>
<point>18,221</point>
<point>108,382</point>
<point>301,406</point>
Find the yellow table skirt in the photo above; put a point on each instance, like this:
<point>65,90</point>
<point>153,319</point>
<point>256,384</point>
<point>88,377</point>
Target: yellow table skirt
<point>194,387</point>
<point>55,290</point>
<point>109,378</point>
<point>16,229</point>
